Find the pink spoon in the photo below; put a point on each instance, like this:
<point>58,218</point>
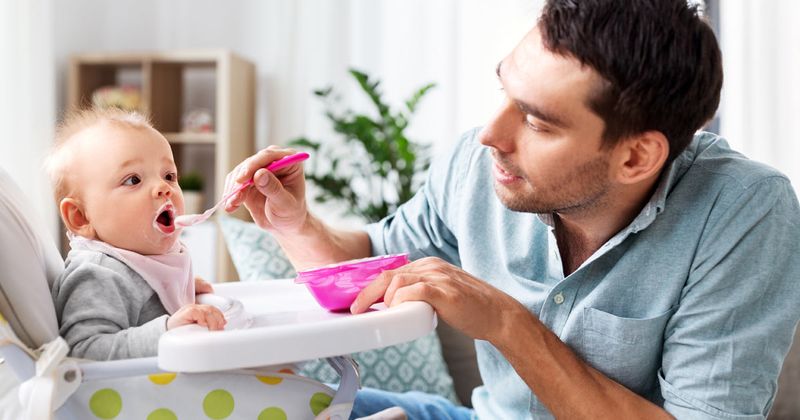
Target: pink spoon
<point>193,219</point>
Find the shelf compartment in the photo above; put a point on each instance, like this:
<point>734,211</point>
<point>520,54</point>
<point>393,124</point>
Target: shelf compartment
<point>88,77</point>
<point>177,88</point>
<point>188,137</point>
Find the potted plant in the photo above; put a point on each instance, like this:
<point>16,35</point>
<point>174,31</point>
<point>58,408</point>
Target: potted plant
<point>380,167</point>
<point>191,184</point>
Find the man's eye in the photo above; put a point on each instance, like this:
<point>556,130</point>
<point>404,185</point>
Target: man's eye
<point>132,180</point>
<point>171,177</point>
<point>531,122</point>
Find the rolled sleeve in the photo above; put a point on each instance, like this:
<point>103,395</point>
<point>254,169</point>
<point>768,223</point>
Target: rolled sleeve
<point>685,407</point>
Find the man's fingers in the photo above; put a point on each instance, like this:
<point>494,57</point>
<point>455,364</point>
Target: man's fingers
<point>236,200</point>
<point>247,170</point>
<point>419,291</point>
<point>260,160</point>
<point>272,188</point>
<point>371,293</point>
<point>399,280</point>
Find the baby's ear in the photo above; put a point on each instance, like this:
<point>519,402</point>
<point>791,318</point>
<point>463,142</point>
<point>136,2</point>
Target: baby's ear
<point>75,218</point>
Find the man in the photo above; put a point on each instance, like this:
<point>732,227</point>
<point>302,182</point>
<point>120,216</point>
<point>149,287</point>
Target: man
<point>609,262</point>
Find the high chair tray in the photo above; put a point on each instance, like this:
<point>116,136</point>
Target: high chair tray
<point>288,326</point>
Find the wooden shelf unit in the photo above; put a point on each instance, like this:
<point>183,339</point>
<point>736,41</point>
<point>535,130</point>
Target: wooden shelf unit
<point>163,78</point>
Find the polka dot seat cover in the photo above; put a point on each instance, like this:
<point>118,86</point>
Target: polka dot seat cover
<point>195,396</point>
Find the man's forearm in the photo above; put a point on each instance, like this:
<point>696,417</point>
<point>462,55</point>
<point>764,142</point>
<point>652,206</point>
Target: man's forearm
<point>564,383</point>
<point>318,244</point>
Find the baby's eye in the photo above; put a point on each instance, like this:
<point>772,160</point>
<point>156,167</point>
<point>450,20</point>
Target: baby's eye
<point>171,177</point>
<point>132,180</point>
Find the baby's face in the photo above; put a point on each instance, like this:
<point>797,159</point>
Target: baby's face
<point>127,182</point>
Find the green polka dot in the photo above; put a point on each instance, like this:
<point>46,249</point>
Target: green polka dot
<point>218,404</point>
<point>319,402</point>
<point>272,413</point>
<point>162,414</point>
<point>105,403</point>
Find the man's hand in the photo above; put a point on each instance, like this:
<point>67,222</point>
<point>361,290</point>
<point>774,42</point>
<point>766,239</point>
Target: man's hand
<point>276,201</point>
<point>201,286</point>
<point>466,303</point>
<point>204,315</point>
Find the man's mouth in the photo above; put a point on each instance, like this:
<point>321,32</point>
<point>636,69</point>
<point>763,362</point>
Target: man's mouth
<point>503,171</point>
<point>165,219</point>
<point>502,175</point>
<point>501,164</point>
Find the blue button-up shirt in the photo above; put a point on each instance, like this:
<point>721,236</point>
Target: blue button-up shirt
<point>692,306</point>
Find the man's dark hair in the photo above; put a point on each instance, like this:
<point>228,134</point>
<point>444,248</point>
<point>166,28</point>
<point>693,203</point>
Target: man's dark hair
<point>660,60</point>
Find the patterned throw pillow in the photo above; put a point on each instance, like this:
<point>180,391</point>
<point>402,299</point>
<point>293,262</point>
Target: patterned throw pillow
<point>414,366</point>
<point>255,254</point>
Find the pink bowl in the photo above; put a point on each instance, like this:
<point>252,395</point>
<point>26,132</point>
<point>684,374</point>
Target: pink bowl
<point>336,286</point>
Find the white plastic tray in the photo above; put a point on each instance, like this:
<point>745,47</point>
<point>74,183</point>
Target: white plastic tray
<point>289,326</point>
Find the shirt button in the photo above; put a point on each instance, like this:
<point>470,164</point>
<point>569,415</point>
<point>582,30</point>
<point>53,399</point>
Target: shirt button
<point>558,298</point>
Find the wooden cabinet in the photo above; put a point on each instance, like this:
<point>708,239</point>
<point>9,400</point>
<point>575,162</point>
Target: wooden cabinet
<point>171,84</point>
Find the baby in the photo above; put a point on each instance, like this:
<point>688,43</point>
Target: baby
<point>127,278</point>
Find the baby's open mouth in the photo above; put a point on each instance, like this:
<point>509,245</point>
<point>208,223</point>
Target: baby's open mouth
<point>165,219</point>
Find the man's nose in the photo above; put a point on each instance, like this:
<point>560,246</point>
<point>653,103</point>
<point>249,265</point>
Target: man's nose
<point>501,130</point>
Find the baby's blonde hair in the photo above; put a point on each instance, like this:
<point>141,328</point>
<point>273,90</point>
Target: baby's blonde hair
<point>75,121</point>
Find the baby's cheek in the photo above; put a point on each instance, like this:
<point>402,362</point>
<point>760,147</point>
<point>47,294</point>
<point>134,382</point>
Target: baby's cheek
<point>177,201</point>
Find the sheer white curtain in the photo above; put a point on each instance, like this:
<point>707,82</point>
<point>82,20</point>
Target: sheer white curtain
<point>26,121</point>
<point>760,111</point>
<point>302,45</point>
<point>27,104</point>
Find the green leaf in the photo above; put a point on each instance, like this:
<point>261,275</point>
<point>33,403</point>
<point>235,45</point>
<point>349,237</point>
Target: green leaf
<point>304,142</point>
<point>191,181</point>
<point>371,89</point>
<point>323,92</point>
<point>368,150</point>
<point>413,101</point>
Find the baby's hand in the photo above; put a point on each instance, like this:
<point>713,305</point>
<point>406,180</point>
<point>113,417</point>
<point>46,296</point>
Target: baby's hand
<point>204,315</point>
<point>201,286</point>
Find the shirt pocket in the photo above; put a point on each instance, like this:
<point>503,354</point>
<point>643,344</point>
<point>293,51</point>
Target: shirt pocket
<point>627,350</point>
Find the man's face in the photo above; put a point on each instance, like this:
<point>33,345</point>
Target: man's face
<point>545,141</point>
<point>127,183</point>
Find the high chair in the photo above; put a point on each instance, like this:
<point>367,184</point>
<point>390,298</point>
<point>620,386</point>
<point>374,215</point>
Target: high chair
<point>198,374</point>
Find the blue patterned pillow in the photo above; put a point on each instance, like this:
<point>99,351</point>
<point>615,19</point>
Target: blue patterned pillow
<point>255,254</point>
<point>414,366</point>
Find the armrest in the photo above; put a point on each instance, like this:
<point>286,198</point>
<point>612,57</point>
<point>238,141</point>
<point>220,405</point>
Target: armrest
<point>92,371</point>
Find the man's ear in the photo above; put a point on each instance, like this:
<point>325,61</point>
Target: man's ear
<point>641,156</point>
<point>74,217</point>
